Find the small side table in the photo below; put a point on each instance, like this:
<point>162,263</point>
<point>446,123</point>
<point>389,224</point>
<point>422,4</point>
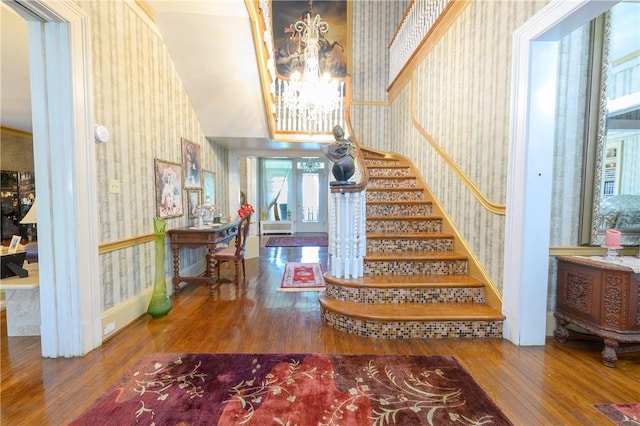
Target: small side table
<point>23,304</point>
<point>601,297</point>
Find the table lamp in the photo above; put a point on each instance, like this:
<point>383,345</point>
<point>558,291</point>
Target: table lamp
<point>31,218</point>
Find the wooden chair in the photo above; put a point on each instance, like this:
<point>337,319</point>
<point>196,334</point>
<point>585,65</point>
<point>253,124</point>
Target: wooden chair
<point>235,254</point>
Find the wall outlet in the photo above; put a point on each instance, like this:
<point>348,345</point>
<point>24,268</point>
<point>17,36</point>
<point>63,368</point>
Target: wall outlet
<point>114,186</point>
<point>109,328</point>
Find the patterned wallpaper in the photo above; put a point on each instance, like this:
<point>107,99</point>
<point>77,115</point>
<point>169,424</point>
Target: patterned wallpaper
<point>139,97</point>
<point>462,92</point>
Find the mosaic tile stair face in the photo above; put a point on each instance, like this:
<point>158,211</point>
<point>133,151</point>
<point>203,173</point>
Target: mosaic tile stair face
<point>422,209</point>
<point>377,172</point>
<point>406,295</point>
<point>425,267</point>
<point>370,154</point>
<point>430,245</point>
<point>381,162</point>
<point>397,226</point>
<point>414,329</point>
<point>392,183</point>
<point>409,195</point>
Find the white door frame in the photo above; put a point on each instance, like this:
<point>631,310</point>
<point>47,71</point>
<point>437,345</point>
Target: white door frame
<point>526,256</point>
<point>64,160</point>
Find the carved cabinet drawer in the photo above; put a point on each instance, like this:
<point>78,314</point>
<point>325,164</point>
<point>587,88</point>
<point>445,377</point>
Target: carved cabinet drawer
<point>601,297</point>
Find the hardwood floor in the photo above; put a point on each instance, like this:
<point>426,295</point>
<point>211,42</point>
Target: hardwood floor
<point>551,385</point>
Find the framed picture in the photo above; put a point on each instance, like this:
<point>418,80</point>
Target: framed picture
<point>191,164</point>
<point>208,187</point>
<point>13,246</point>
<point>193,202</point>
<point>168,189</point>
<point>334,45</point>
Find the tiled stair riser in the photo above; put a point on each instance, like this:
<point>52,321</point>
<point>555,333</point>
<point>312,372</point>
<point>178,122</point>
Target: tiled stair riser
<point>378,226</point>
<point>413,329</point>
<point>381,162</point>
<point>399,210</point>
<point>374,172</point>
<point>423,246</point>
<point>392,183</point>
<point>373,195</point>
<point>406,295</point>
<point>436,267</point>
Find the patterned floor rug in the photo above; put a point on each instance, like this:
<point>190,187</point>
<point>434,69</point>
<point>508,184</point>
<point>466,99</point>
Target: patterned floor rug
<point>621,414</point>
<point>295,389</point>
<point>302,277</point>
<point>297,242</point>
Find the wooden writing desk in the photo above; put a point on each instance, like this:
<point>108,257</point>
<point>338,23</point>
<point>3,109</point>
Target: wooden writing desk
<point>191,237</point>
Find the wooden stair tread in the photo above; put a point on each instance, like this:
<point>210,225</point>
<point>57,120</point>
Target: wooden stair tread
<point>404,256</point>
<point>412,311</point>
<point>406,281</point>
<point>409,235</point>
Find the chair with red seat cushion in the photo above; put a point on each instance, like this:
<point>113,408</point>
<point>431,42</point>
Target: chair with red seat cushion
<point>235,254</point>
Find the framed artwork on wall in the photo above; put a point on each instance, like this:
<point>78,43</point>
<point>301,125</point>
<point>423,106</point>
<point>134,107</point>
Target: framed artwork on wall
<point>168,189</point>
<point>334,44</point>
<point>208,187</point>
<point>193,202</point>
<point>191,164</point>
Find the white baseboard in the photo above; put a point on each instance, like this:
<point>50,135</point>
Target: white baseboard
<point>116,318</point>
<point>551,324</point>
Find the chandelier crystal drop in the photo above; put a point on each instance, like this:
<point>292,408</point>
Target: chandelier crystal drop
<point>311,95</point>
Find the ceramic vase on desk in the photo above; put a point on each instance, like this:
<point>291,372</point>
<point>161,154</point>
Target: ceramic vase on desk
<point>160,304</point>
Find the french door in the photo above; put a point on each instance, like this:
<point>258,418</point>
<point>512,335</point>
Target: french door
<point>312,195</point>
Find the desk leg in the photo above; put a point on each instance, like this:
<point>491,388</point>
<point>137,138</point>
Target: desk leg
<point>176,268</point>
<point>211,266</point>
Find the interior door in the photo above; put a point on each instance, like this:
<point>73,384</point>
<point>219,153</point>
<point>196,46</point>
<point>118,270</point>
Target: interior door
<point>312,188</point>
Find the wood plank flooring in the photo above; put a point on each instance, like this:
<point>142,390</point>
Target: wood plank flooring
<point>555,384</point>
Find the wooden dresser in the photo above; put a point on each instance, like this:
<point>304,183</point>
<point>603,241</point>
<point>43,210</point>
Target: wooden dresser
<point>601,297</point>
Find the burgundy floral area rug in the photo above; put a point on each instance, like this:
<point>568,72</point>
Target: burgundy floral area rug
<point>621,414</point>
<point>295,389</point>
<point>297,242</point>
<point>302,277</point>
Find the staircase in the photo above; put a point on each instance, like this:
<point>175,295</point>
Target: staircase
<point>415,283</point>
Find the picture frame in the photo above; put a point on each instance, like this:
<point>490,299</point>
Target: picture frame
<point>193,202</point>
<point>208,187</point>
<point>13,246</point>
<point>335,49</point>
<point>191,164</point>
<point>168,186</point>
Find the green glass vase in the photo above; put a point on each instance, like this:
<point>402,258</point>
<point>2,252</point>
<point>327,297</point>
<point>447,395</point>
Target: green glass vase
<point>160,304</point>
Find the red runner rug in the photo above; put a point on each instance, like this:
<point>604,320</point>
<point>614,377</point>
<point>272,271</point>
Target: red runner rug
<point>621,414</point>
<point>297,242</point>
<point>302,277</point>
<point>295,389</point>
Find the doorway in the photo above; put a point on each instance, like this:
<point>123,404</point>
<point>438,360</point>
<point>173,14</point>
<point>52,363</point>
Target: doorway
<point>311,205</point>
<point>295,190</point>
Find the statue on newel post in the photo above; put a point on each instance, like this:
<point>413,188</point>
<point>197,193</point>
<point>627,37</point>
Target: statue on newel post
<point>341,153</point>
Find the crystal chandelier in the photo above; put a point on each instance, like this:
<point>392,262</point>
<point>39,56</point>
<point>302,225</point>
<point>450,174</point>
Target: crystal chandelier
<point>311,165</point>
<point>311,96</point>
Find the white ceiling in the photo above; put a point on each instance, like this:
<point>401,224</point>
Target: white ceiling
<point>211,45</point>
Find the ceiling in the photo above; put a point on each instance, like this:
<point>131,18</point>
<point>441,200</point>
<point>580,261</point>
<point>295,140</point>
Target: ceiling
<point>211,45</point>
